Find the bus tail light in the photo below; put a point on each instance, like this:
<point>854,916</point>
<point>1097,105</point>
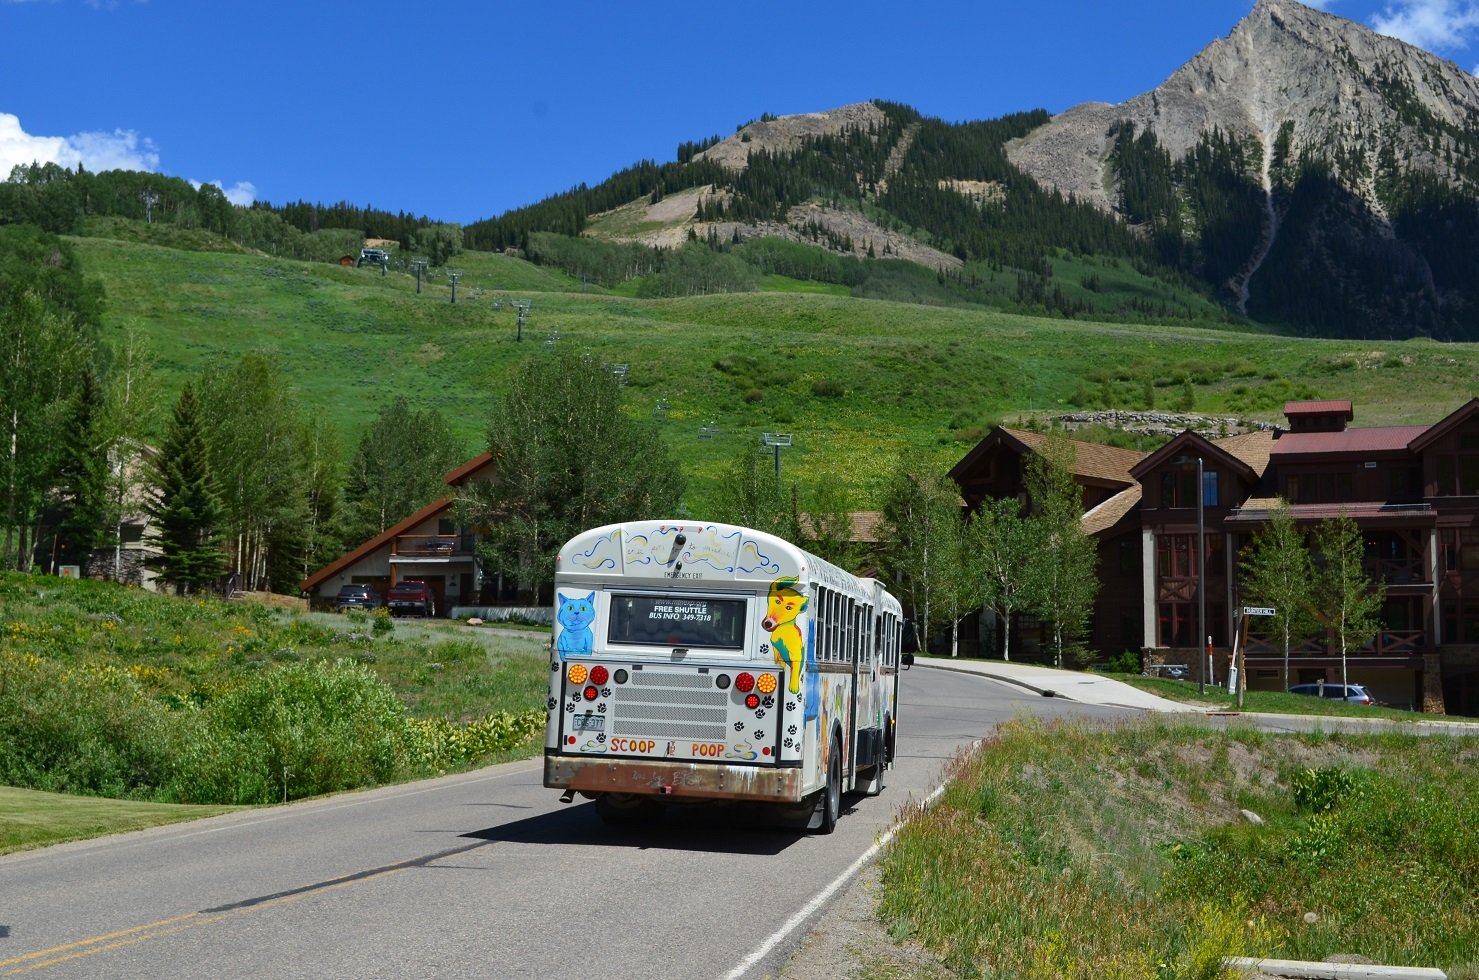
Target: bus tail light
<point>591,693</point>
<point>766,684</point>
<point>599,675</point>
<point>744,683</point>
<point>752,701</point>
<point>576,673</point>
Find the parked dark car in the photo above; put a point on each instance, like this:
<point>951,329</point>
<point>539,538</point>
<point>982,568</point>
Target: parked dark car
<point>411,599</point>
<point>1354,693</point>
<point>356,596</point>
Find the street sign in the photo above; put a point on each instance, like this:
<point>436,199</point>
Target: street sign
<point>1258,610</point>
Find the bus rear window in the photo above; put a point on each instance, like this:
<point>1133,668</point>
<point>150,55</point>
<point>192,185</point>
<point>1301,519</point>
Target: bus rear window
<point>677,621</point>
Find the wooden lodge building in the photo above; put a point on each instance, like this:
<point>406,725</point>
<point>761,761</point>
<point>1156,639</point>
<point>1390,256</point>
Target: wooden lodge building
<point>1413,491</point>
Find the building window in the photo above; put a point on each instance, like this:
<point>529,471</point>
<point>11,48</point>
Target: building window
<point>1319,488</point>
<point>1458,476</point>
<point>1460,549</point>
<point>1176,556</point>
<point>1209,488</point>
<point>1461,621</point>
<point>1129,556</point>
<point>1179,487</point>
<point>1403,482</point>
<point>1177,626</point>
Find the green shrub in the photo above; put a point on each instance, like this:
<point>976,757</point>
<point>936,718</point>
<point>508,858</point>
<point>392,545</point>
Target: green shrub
<point>442,745</point>
<point>1319,790</point>
<point>827,388</point>
<point>331,725</point>
<point>381,623</point>
<point>89,730</point>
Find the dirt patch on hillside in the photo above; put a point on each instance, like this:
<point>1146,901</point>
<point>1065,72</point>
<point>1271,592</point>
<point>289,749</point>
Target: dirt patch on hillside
<point>788,132</point>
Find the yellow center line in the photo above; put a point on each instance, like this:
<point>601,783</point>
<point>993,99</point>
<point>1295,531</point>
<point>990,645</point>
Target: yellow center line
<point>164,927</point>
<point>96,939</point>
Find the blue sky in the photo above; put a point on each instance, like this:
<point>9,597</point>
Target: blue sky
<point>462,109</point>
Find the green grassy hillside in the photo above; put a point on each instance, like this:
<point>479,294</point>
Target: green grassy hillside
<point>854,380</point>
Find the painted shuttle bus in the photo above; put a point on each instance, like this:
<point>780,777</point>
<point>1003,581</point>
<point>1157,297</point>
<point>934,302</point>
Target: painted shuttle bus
<point>696,661</point>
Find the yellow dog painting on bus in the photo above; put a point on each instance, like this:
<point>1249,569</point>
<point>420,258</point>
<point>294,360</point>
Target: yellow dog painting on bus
<point>786,640</point>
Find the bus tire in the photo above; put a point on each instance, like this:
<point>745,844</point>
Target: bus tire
<point>626,810</point>
<point>830,804</point>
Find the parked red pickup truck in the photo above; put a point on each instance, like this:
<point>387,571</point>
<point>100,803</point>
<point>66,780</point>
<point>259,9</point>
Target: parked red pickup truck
<point>411,599</point>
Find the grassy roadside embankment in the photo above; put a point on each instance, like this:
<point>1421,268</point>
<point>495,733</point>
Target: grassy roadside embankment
<point>1068,851</point>
<point>118,705</point>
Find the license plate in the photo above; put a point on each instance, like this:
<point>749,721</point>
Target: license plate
<point>590,723</point>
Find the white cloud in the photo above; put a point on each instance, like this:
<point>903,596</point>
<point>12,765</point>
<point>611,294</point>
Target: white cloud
<point>242,193</point>
<point>122,149</point>
<point>1437,25</point>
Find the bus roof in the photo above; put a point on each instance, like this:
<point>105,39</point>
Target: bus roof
<point>693,552</point>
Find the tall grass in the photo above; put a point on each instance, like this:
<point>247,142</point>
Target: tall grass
<point>1064,851</point>
<point>117,692</point>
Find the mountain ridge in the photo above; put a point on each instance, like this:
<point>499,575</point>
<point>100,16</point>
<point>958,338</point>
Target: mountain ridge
<point>1211,90</point>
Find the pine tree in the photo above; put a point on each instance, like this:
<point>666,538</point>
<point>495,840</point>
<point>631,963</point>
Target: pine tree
<point>83,478</point>
<point>187,509</point>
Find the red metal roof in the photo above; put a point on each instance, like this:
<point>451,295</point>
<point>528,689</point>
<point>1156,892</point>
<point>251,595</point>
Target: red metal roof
<point>1319,408</point>
<point>1385,438</point>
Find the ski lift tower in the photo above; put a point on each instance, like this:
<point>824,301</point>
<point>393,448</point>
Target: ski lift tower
<point>523,307</point>
<point>777,441</point>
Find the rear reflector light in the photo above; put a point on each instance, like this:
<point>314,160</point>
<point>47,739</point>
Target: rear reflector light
<point>744,683</point>
<point>599,676</point>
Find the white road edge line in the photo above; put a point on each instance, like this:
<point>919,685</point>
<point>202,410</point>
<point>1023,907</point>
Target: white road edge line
<point>822,897</point>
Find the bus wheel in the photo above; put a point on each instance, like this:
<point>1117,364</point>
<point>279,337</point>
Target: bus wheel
<point>626,810</point>
<point>831,801</point>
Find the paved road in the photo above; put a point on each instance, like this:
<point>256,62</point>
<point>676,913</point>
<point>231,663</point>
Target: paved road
<point>486,874</point>
<point>482,874</point>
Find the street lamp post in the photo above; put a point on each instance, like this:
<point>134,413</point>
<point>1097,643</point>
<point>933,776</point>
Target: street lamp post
<point>1203,651</point>
<point>1202,637</point>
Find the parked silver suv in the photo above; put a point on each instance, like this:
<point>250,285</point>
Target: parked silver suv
<point>1354,693</point>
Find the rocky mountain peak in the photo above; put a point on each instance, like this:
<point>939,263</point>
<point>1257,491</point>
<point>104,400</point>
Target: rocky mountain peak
<point>1336,81</point>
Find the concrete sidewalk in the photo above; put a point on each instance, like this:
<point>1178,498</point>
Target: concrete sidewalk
<point>1089,688</point>
<point>1073,685</point>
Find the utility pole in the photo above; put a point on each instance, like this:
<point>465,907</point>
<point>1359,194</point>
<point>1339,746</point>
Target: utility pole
<point>454,276</point>
<point>419,265</point>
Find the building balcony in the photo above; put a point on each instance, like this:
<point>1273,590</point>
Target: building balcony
<point>432,546</point>
<point>1388,643</point>
<point>1397,571</point>
<point>1362,512</point>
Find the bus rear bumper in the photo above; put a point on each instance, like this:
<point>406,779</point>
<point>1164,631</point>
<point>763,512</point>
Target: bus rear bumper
<point>673,779</point>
